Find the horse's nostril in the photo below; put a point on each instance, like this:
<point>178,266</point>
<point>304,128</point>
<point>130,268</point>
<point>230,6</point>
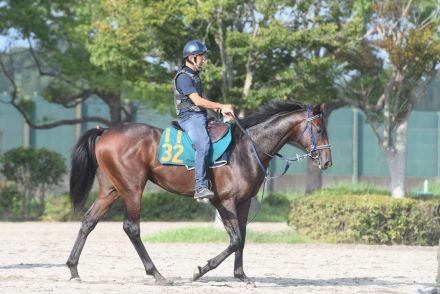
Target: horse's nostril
<point>328,164</point>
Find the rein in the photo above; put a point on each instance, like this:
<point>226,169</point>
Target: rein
<point>297,157</point>
<point>288,161</point>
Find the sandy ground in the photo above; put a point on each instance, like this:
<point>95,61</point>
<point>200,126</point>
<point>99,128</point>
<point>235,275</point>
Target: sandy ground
<point>32,258</point>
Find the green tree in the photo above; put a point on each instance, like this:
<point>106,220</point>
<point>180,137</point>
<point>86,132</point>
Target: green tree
<point>258,50</point>
<point>33,171</point>
<point>373,55</point>
<point>389,69</point>
<point>59,34</point>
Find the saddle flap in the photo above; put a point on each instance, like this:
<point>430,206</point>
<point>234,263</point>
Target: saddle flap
<point>217,130</point>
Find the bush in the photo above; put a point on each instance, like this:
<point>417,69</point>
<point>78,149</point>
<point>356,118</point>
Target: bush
<point>33,170</point>
<point>372,219</point>
<point>273,208</point>
<point>165,206</point>
<point>9,202</point>
<point>276,199</point>
<point>57,208</point>
<point>160,206</point>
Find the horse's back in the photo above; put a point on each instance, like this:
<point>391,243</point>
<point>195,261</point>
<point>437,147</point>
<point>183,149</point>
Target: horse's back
<point>130,144</point>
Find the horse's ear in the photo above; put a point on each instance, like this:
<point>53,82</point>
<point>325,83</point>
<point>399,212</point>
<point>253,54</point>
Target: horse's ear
<point>319,108</point>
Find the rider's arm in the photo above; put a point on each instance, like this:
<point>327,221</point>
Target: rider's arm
<point>205,103</point>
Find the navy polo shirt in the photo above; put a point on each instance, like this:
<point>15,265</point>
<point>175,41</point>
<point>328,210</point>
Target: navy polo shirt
<point>185,85</point>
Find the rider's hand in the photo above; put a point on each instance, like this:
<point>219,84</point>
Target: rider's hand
<point>228,111</point>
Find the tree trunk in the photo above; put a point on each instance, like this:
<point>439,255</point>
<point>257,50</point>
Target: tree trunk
<point>437,279</point>
<point>42,200</point>
<point>23,204</point>
<point>227,75</point>
<point>313,178</point>
<point>113,100</point>
<point>396,160</point>
<point>248,79</point>
<point>115,112</point>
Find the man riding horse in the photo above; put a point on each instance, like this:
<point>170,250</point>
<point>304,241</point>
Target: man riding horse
<point>191,110</point>
<point>125,158</point>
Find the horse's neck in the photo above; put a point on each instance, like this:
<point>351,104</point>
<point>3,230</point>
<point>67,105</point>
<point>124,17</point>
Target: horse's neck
<point>273,134</point>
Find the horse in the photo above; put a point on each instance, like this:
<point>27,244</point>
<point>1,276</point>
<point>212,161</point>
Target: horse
<point>124,158</point>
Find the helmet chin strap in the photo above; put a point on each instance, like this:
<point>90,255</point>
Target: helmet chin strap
<point>194,62</point>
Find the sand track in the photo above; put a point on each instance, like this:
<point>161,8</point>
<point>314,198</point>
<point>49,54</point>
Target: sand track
<point>32,257</point>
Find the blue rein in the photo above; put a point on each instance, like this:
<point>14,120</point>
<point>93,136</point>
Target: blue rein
<point>297,157</point>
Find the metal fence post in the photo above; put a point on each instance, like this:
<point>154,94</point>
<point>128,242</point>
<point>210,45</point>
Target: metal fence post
<point>355,157</point>
<point>438,144</point>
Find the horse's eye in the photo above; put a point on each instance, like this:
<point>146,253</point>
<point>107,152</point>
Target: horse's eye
<point>319,131</point>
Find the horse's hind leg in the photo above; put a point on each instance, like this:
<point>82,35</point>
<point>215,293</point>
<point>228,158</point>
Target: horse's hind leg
<point>107,196</point>
<point>131,227</point>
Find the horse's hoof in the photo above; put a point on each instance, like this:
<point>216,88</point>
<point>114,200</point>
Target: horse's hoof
<point>197,273</point>
<point>428,291</point>
<point>163,282</point>
<point>204,201</point>
<point>75,279</point>
<point>245,279</point>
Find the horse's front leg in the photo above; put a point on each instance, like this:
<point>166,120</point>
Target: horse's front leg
<point>242,214</point>
<point>228,213</point>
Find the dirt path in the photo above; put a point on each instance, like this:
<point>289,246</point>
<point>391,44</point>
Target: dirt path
<point>32,257</point>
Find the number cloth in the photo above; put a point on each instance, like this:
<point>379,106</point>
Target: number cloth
<point>175,148</point>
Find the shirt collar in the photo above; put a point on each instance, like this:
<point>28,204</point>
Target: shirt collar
<point>190,70</point>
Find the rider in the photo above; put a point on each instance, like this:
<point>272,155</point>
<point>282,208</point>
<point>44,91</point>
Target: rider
<point>191,108</point>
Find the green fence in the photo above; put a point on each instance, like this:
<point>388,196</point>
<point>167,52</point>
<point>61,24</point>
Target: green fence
<point>355,149</point>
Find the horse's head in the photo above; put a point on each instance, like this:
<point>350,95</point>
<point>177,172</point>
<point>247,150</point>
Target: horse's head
<point>311,135</point>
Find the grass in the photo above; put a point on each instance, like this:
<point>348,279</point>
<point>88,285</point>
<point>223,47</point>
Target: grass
<point>434,187</point>
<point>348,188</point>
<point>214,235</point>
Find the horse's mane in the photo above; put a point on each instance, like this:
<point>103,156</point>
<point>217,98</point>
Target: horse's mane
<point>270,109</point>
<point>264,113</point>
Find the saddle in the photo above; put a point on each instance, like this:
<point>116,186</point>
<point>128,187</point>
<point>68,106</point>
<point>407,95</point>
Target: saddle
<point>175,146</point>
<point>216,130</point>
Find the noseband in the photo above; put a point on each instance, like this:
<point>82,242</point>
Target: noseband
<point>312,152</point>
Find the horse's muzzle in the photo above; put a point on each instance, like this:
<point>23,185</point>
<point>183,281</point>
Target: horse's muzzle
<point>327,164</point>
<point>323,159</point>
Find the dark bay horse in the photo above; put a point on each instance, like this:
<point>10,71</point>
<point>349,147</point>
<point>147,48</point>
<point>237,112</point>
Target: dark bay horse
<point>125,157</point>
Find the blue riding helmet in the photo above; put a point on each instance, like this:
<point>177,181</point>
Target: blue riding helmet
<point>194,47</point>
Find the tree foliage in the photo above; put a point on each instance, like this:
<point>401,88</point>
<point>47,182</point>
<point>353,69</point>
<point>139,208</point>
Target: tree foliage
<point>378,56</point>
<point>57,34</point>
<point>389,69</point>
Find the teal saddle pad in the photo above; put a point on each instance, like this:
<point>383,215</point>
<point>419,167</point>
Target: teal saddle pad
<point>175,148</point>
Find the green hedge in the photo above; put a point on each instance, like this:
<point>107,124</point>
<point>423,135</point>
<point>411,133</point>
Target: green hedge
<point>371,219</point>
<point>157,206</point>
<point>165,206</point>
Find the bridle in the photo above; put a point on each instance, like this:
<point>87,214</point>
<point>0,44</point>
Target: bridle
<point>313,152</point>
<point>309,126</point>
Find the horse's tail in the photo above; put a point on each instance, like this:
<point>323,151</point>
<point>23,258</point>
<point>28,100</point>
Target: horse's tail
<point>83,168</point>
